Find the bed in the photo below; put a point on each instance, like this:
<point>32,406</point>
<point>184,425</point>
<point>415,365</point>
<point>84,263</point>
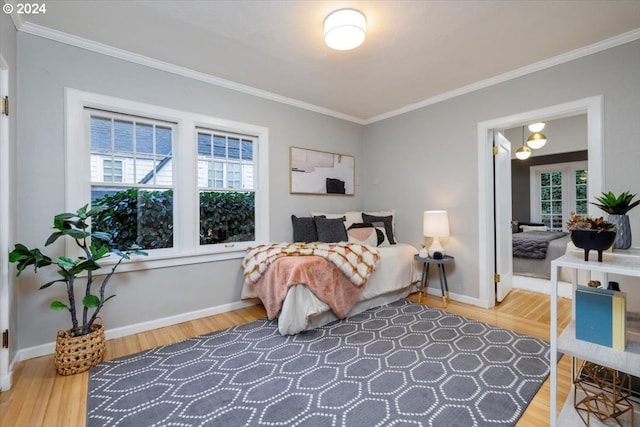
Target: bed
<point>298,308</point>
<point>533,251</point>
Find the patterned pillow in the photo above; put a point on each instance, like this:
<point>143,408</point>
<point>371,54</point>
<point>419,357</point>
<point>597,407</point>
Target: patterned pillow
<point>383,239</point>
<point>364,234</point>
<point>367,234</point>
<point>388,224</point>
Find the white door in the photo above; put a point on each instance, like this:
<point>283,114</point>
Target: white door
<point>4,228</point>
<point>502,210</point>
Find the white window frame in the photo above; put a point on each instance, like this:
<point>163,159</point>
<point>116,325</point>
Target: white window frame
<point>186,242</point>
<point>568,171</point>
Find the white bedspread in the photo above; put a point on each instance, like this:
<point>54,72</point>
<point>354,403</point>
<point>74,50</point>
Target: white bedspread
<point>392,280</point>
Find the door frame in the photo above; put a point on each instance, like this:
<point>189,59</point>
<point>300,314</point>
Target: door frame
<point>593,107</point>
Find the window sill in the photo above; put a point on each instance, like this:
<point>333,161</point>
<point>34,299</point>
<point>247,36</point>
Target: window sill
<point>171,259</point>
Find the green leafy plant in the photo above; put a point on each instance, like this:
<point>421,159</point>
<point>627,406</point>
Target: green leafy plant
<point>145,217</point>
<point>616,205</point>
<point>95,245</point>
<point>584,222</point>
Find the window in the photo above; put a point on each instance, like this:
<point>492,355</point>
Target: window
<point>226,185</point>
<point>186,187</point>
<point>111,170</point>
<point>557,191</point>
<point>138,199</point>
<point>582,203</point>
<point>551,199</point>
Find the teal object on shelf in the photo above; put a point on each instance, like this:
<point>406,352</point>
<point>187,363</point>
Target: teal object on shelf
<point>600,316</point>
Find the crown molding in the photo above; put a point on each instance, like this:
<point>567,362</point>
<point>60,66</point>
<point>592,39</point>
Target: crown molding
<point>90,45</point>
<point>125,55</point>
<point>532,68</point>
<point>18,20</point>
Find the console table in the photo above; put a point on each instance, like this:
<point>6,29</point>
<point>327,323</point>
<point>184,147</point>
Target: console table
<point>626,361</point>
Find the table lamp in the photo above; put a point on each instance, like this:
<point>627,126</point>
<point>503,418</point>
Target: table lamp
<point>435,224</point>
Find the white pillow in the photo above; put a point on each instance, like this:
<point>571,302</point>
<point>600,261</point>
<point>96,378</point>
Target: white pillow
<point>352,216</point>
<point>526,228</point>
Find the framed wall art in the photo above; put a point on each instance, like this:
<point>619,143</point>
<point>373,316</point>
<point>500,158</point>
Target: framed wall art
<point>320,172</point>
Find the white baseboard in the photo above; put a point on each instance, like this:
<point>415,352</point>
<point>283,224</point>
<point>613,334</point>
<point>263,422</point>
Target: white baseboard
<point>457,297</point>
<point>49,348</point>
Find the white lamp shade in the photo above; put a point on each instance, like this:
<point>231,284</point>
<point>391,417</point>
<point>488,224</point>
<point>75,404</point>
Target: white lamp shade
<point>435,224</point>
<point>345,29</point>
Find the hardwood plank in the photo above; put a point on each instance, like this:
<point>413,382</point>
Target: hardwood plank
<point>41,398</point>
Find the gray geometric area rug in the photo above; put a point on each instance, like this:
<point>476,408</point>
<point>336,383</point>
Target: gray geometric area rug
<point>402,364</point>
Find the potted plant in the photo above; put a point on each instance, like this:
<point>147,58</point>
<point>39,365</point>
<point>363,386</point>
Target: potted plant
<point>617,208</point>
<point>81,347</point>
<point>591,233</point>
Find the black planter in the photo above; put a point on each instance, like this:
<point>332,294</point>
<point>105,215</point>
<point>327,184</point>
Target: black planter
<point>593,239</point>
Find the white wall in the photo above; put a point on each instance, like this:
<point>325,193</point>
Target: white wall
<point>46,68</point>
<point>428,159</point>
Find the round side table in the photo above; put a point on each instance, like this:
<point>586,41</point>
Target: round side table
<point>440,263</point>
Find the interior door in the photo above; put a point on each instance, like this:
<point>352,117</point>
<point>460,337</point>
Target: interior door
<point>502,215</point>
<point>4,227</point>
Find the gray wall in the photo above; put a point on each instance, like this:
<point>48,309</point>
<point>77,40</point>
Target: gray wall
<point>8,50</point>
<point>46,68</point>
<point>428,159</point>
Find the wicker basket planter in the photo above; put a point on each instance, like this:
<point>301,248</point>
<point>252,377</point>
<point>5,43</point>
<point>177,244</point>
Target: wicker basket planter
<point>78,354</point>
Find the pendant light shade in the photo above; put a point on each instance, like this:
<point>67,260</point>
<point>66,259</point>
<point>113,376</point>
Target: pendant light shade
<point>536,140</point>
<point>345,29</point>
<point>523,153</point>
<point>536,127</point>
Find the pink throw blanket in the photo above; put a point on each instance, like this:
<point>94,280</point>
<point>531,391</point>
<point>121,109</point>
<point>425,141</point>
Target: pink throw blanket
<point>324,279</point>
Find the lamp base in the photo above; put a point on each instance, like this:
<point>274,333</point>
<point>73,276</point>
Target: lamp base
<point>436,246</point>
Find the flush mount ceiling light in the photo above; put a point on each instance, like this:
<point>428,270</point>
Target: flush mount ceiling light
<point>345,29</point>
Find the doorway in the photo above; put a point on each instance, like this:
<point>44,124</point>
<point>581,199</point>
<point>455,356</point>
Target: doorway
<point>488,233</point>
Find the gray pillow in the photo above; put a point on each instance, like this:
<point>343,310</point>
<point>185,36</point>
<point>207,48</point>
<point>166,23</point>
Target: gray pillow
<point>386,220</point>
<point>331,230</point>
<point>304,229</point>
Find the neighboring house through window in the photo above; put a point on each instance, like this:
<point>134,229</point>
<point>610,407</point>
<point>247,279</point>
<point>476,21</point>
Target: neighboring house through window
<point>140,162</point>
<point>111,170</point>
<point>557,191</point>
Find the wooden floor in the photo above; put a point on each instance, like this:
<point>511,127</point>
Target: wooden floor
<point>39,397</point>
